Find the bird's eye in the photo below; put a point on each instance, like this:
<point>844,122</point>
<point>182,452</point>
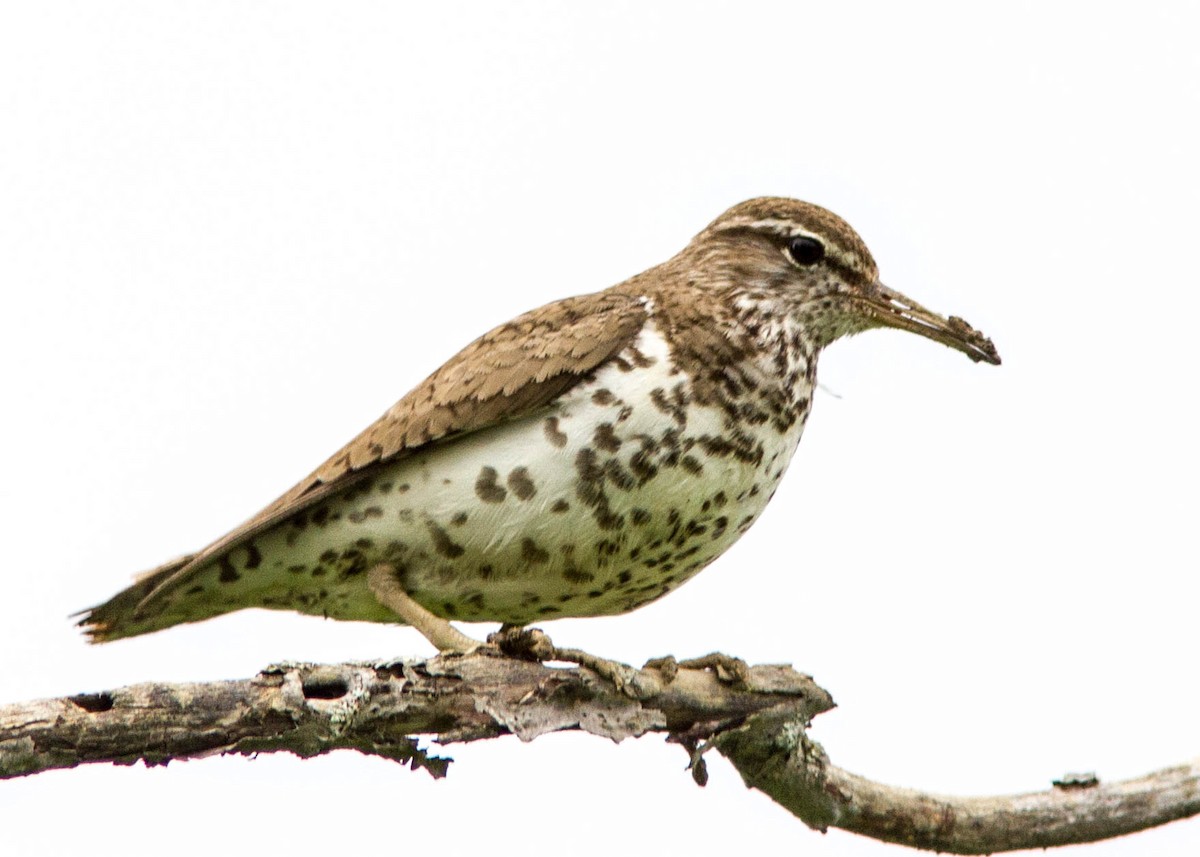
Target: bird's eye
<point>806,250</point>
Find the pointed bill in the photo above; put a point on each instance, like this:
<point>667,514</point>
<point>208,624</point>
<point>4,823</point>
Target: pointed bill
<point>889,308</point>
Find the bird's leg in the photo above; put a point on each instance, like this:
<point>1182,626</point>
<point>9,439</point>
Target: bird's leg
<point>388,592</point>
<point>512,640</point>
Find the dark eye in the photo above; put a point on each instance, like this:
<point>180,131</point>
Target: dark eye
<point>805,250</point>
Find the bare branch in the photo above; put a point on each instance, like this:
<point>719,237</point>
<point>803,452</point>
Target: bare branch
<point>757,717</point>
<point>774,755</point>
<point>309,710</point>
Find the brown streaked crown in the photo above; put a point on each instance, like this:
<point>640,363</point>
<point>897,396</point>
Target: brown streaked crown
<point>785,218</point>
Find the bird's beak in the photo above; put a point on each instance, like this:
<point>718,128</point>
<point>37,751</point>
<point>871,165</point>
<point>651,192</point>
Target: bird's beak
<point>889,308</point>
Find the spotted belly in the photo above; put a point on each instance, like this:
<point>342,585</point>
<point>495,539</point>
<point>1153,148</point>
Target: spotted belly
<point>616,495</point>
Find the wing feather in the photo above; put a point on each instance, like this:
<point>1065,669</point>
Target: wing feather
<point>507,373</point>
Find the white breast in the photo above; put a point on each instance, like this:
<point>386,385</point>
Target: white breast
<point>618,493</point>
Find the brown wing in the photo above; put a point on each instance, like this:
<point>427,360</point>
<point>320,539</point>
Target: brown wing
<point>506,373</point>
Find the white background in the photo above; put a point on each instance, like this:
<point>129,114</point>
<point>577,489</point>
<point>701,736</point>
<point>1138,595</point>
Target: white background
<point>231,234</point>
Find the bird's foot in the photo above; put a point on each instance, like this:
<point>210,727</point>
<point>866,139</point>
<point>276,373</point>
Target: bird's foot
<point>445,637</point>
<point>526,644</point>
<point>533,644</point>
<point>728,669</point>
<point>634,683</point>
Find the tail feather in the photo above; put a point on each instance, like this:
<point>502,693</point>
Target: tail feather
<point>117,618</point>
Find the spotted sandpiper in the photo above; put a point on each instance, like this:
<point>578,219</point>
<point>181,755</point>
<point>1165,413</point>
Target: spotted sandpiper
<point>583,459</point>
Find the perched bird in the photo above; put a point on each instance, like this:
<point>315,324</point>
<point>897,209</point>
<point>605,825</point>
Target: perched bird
<point>583,459</point>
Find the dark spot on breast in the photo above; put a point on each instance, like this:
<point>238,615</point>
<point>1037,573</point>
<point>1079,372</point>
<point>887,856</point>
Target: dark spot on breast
<point>553,434</point>
<point>642,361</point>
<point>605,438</point>
<point>459,519</point>
<point>625,576</point>
<point>532,553</point>
<point>228,572</point>
<point>560,505</point>
<point>587,466</point>
<point>486,487</point>
<point>639,516</point>
<point>573,574</point>
<point>618,476</point>
<point>253,556</point>
<point>642,466</point>
<point>691,464</point>
<point>352,566</point>
<point>365,514</point>
<point>603,397</point>
<point>606,518</point>
<point>520,483</point>
<point>195,590</point>
<point>442,543</point>
<point>486,572</point>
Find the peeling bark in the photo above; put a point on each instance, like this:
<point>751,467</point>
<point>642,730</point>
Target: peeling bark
<point>757,718</point>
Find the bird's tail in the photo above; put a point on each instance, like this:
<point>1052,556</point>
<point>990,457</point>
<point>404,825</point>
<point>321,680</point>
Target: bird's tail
<point>116,617</point>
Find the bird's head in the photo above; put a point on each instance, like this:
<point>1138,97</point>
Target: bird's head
<point>793,256</point>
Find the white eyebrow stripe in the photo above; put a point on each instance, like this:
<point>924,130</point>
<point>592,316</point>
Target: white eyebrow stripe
<point>786,228</point>
<point>791,229</point>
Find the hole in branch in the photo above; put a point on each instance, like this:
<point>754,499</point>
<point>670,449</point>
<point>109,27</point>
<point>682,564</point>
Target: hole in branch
<point>325,687</point>
<point>93,703</point>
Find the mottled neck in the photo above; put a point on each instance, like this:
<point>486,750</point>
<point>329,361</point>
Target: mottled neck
<point>782,345</point>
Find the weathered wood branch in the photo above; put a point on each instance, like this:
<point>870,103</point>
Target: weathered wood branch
<point>775,756</point>
<point>759,723</point>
